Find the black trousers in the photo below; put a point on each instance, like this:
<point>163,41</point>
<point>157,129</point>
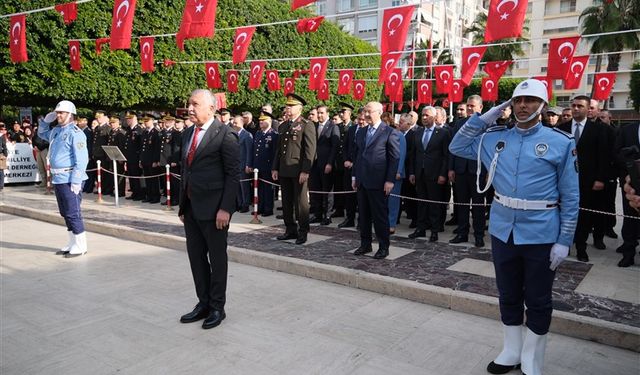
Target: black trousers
<point>373,208</point>
<point>466,192</point>
<point>630,229</point>
<point>338,185</point>
<point>429,214</point>
<point>446,197</point>
<point>320,181</point>
<point>351,200</point>
<point>207,250</point>
<point>410,206</point>
<point>609,204</point>
<point>107,178</point>
<point>90,183</point>
<point>295,200</point>
<point>134,170</point>
<point>152,184</point>
<point>175,186</point>
<point>588,220</point>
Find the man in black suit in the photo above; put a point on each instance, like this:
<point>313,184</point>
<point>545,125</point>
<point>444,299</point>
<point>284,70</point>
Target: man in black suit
<point>627,139</point>
<point>410,206</point>
<point>351,203</point>
<point>377,153</point>
<point>428,171</point>
<point>132,149</point>
<point>210,181</point>
<point>593,162</point>
<point>338,172</point>
<point>321,178</point>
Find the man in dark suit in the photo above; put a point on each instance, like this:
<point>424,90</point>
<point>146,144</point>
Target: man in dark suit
<point>149,160</point>
<point>627,139</point>
<point>321,178</point>
<point>291,166</point>
<point>593,162</point>
<point>175,160</point>
<point>246,148</point>
<point>428,171</point>
<point>210,170</point>
<point>338,171</point>
<point>348,149</point>
<point>132,148</point>
<point>410,206</point>
<point>377,152</point>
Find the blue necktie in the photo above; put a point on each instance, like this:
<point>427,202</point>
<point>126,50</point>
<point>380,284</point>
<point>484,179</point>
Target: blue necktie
<point>370,132</point>
<point>426,137</point>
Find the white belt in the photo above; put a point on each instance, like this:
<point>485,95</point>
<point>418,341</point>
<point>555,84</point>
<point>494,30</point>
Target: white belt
<point>61,170</point>
<point>523,204</point>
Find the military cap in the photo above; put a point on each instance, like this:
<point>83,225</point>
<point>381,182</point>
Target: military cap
<point>101,111</point>
<point>555,110</point>
<point>293,99</point>
<point>130,114</point>
<point>224,111</point>
<point>345,107</point>
<point>264,116</point>
<point>113,119</point>
<point>169,118</point>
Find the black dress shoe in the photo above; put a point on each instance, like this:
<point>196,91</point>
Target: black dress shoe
<point>582,256</point>
<point>145,200</point>
<point>337,214</point>
<point>363,250</point>
<point>413,224</point>
<point>599,244</point>
<point>620,249</point>
<point>626,261</point>
<point>610,233</point>
<point>214,319</point>
<point>452,221</point>
<point>347,224</point>
<point>279,217</point>
<point>154,201</point>
<point>287,236</point>
<point>267,214</point>
<point>130,197</point>
<point>325,222</point>
<point>418,233</point>
<point>315,220</point>
<point>433,237</point>
<point>494,368</point>
<point>479,242</point>
<point>137,198</point>
<point>459,239</point>
<point>199,312</point>
<point>302,238</point>
<point>381,253</point>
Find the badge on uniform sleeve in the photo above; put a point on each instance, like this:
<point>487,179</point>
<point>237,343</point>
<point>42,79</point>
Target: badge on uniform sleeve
<point>500,146</point>
<point>80,145</point>
<point>541,149</point>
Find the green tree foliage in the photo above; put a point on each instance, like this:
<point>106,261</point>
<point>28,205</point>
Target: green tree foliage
<point>113,80</point>
<point>634,86</point>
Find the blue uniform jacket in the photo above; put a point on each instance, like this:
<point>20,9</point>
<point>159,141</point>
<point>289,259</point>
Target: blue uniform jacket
<point>246,147</point>
<point>67,149</point>
<point>534,164</point>
<point>403,154</point>
<point>264,150</point>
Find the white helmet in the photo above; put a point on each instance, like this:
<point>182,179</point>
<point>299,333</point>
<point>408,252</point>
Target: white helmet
<point>531,87</point>
<point>66,106</point>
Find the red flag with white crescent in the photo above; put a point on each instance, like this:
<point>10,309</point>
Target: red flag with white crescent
<point>489,91</point>
<point>323,92</point>
<point>122,24</point>
<point>146,54</point>
<point>99,43</point>
<point>74,55</point>
<point>444,78</point>
<point>574,74</point>
<point>387,64</point>
<point>68,11</point>
<point>309,25</point>
<point>232,80</point>
<point>496,69</point>
<point>241,43</point>
<point>289,86</point>
<point>456,94</point>
<point>18,38</point>
<point>548,82</point>
<point>198,20</point>
<point>395,25</point>
<point>213,75</point>
<point>273,80</point>
<point>603,83</point>
<point>255,74</point>
<point>505,19</point>
<point>561,52</point>
<point>471,57</point>
<point>295,4</point>
<point>317,72</point>
<point>425,91</point>
<point>359,89</point>
<point>345,77</point>
<point>393,83</point>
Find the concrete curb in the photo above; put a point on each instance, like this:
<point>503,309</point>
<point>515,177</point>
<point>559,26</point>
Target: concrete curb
<point>564,323</point>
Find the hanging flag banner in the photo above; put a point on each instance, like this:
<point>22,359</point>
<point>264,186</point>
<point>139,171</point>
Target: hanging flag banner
<point>198,21</point>
<point>471,57</point>
<point>603,83</point>
<point>99,43</point>
<point>548,82</point>
<point>575,72</point>
<point>561,52</point>
<point>444,79</point>
<point>18,38</point>
<point>289,86</point>
<point>213,75</point>
<point>345,78</point>
<point>359,89</point>
<point>232,80</point>
<point>74,55</point>
<point>309,25</point>
<point>496,69</point>
<point>317,72</point>
<point>323,92</point>
<point>122,24</point>
<point>456,94</point>
<point>425,91</point>
<point>273,80</point>
<point>395,25</point>
<point>295,4</point>
<point>505,19</point>
<point>68,11</point>
<point>387,64</point>
<point>241,43</point>
<point>489,91</point>
<point>147,63</point>
<point>393,82</point>
<point>255,74</point>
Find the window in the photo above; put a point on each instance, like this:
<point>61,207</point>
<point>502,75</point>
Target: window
<point>529,6</point>
<point>560,30</point>
<point>368,3</point>
<point>563,101</point>
<point>558,84</point>
<point>567,6</point>
<point>367,24</point>
<point>589,79</point>
<point>396,3</point>
<point>347,25</point>
<point>522,64</point>
<point>345,5</point>
<point>543,69</point>
<point>321,7</point>
<point>612,104</point>
<point>545,47</point>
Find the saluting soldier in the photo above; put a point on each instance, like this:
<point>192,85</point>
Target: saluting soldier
<point>291,166</point>
<point>264,149</point>
<point>132,148</point>
<point>149,162</point>
<point>117,137</point>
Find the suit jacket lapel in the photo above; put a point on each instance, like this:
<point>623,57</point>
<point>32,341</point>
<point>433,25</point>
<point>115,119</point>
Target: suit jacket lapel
<point>376,134</point>
<point>435,132</point>
<point>209,135</point>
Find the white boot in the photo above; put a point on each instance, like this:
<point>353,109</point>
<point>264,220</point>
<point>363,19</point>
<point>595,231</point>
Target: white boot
<point>509,358</point>
<point>66,248</point>
<point>532,357</point>
<point>79,247</point>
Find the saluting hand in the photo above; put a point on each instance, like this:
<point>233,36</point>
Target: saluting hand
<point>222,219</point>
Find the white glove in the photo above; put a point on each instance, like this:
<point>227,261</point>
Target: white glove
<point>558,253</point>
<point>75,188</point>
<point>494,113</point>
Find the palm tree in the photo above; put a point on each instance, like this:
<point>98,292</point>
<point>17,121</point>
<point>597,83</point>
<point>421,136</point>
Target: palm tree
<point>495,53</point>
<point>440,57</point>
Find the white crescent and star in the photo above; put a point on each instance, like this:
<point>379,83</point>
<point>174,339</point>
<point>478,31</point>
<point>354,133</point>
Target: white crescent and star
<point>389,63</point>
<point>272,77</point>
<point>17,25</point>
<point>212,72</point>
<point>199,7</point>
<point>563,46</point>
<point>359,87</point>
<point>424,88</point>
<point>393,78</point>
<point>398,17</point>
<point>345,78</point>
<point>146,48</point>
<point>505,15</point>
<point>473,55</point>
<point>232,77</point>
<point>74,52</point>
<point>239,43</point>
<point>124,4</point>
<point>445,72</point>
<point>255,72</point>
<point>600,82</point>
<point>486,84</point>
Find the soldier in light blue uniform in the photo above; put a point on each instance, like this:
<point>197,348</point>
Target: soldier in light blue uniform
<point>533,216</point>
<point>68,157</point>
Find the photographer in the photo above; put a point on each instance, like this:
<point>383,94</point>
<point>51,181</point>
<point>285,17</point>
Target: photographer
<point>627,151</point>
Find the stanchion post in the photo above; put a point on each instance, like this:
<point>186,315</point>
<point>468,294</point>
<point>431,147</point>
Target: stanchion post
<point>99,179</point>
<point>168,179</point>
<point>115,182</point>
<point>48,177</point>
<point>255,219</point>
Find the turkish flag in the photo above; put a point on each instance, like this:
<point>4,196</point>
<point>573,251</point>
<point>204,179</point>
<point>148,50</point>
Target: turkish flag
<point>574,74</point>
<point>241,43</point>
<point>168,63</point>
<point>213,75</point>
<point>198,20</point>
<point>425,91</point>
<point>323,92</point>
<point>444,78</point>
<point>393,84</point>
<point>345,77</point>
<point>489,91</point>
<point>146,54</point>
<point>255,74</point>
<point>359,89</point>
<point>560,54</point>
<point>317,72</point>
<point>604,84</point>
<point>122,24</point>
<point>395,93</point>
<point>471,57</point>
<point>387,64</point>
<point>548,82</point>
<point>273,80</point>
<point>74,55</point>
<point>505,19</point>
<point>456,94</point>
<point>496,69</point>
<point>99,43</point>
<point>411,62</point>
<point>289,86</point>
<point>232,80</point>
<point>395,25</point>
<point>18,38</point>
<point>68,11</point>
<point>309,25</point>
<point>295,4</point>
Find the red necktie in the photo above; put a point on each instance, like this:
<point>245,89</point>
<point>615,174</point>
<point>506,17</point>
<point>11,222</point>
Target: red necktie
<point>194,145</point>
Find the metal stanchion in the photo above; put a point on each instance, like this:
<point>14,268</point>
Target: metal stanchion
<point>168,178</point>
<point>99,179</point>
<point>48,191</point>
<point>255,219</point>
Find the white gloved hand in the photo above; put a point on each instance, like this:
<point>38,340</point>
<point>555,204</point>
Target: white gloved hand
<point>494,113</point>
<point>558,253</point>
<point>75,188</point>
